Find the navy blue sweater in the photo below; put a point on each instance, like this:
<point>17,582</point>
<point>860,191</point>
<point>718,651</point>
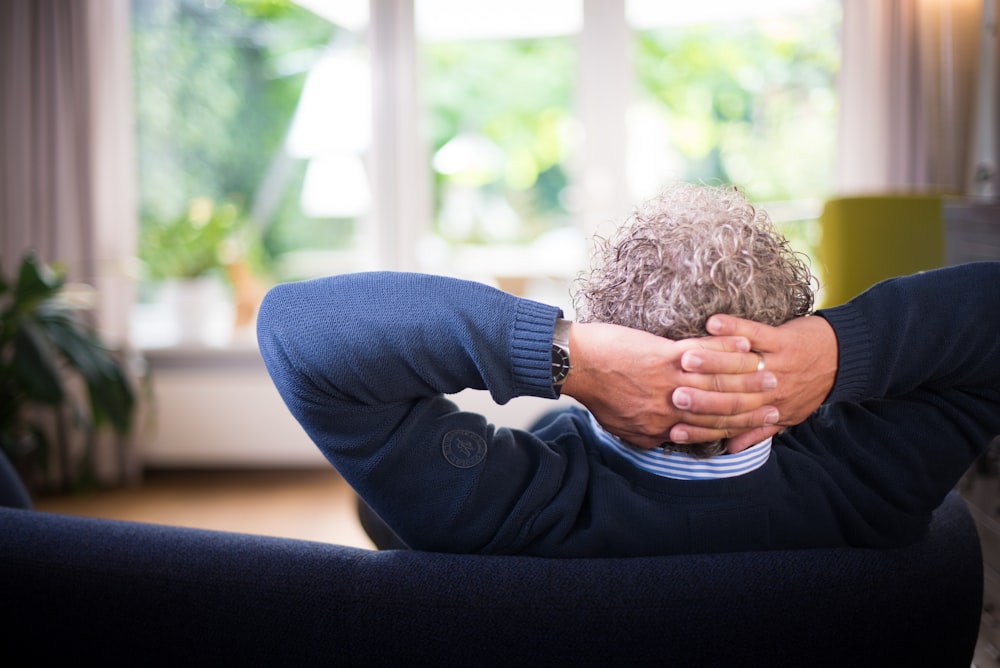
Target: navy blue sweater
<point>363,361</point>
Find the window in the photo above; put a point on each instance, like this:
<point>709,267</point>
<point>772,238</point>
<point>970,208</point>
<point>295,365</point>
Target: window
<point>483,139</point>
<point>738,93</point>
<point>239,134</point>
<point>498,96</point>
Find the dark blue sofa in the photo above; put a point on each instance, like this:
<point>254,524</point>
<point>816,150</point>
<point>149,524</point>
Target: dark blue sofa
<point>117,593</point>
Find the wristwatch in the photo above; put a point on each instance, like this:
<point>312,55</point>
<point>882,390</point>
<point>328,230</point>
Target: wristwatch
<point>560,353</point>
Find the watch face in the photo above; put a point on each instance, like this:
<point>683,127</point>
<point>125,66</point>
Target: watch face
<point>560,364</point>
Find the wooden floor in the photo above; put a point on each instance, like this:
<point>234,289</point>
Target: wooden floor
<point>311,504</point>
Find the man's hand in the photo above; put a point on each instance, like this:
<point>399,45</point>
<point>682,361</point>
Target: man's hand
<point>802,353</point>
<point>627,378</point>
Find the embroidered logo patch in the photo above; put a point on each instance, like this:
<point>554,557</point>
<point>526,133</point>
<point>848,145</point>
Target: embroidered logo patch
<point>463,449</point>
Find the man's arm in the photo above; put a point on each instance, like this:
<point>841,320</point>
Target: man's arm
<point>363,362</point>
<point>884,329</point>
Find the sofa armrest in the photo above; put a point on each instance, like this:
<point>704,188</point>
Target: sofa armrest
<point>13,493</point>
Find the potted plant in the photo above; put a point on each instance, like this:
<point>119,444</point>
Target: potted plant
<point>44,346</point>
<point>186,256</point>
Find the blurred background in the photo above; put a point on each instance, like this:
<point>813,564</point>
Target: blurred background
<point>487,140</point>
<point>174,158</point>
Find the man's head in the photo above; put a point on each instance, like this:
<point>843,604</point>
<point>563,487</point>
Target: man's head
<point>687,254</point>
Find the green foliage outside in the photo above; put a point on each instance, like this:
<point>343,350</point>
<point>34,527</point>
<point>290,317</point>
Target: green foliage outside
<point>215,88</point>
<point>519,95</point>
<point>751,103</point>
<point>193,244</point>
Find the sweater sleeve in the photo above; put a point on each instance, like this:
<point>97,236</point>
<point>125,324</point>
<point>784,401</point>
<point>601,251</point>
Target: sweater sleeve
<point>363,362</point>
<point>915,401</point>
<point>937,329</point>
<point>381,338</point>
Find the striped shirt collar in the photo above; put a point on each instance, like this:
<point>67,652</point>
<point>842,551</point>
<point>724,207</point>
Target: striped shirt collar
<point>680,466</point>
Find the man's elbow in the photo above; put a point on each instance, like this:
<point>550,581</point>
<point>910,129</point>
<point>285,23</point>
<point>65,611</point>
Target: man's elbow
<point>272,321</point>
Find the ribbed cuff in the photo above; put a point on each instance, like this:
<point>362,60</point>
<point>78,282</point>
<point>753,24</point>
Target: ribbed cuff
<point>531,349</point>
<point>854,352</point>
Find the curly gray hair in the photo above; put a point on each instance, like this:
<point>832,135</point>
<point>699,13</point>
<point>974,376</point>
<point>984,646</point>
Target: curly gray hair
<point>686,254</point>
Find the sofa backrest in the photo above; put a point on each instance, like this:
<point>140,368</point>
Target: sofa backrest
<point>125,593</point>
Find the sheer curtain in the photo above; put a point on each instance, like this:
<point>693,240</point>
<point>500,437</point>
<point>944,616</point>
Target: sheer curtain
<point>906,93</point>
<point>66,167</point>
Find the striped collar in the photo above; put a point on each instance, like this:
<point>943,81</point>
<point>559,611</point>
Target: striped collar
<point>680,466</point>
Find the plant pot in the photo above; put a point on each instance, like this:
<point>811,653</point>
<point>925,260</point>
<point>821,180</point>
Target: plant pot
<point>201,310</point>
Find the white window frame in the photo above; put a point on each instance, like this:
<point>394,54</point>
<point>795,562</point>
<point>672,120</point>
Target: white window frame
<point>400,165</point>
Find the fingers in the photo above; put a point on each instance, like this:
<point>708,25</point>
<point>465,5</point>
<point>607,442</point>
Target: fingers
<point>739,439</point>
<point>761,336</point>
<point>698,429</point>
<point>719,362</point>
<point>745,440</point>
<point>725,395</point>
<point>642,441</point>
<point>719,343</point>
<point>730,425</point>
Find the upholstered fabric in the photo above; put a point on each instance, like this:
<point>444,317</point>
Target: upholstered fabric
<point>13,493</point>
<point>137,594</point>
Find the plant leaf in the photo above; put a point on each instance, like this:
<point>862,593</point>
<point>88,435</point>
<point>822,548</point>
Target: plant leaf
<point>74,344</point>
<point>34,365</point>
<point>110,393</point>
<point>112,401</point>
<point>34,283</point>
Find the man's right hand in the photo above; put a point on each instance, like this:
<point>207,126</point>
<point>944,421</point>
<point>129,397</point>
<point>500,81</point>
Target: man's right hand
<point>801,353</point>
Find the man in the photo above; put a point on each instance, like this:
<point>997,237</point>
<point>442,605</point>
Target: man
<point>364,361</point>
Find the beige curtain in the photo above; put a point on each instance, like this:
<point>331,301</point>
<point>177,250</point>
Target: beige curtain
<point>66,175</point>
<point>46,138</point>
<point>907,90</point>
